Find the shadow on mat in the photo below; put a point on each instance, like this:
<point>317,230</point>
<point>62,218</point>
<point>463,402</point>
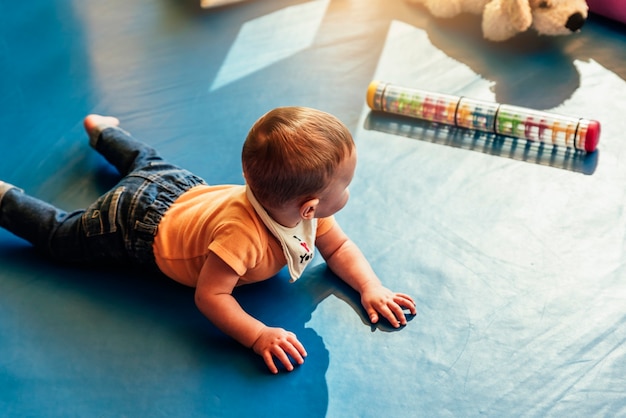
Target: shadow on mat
<point>142,312</point>
<point>528,70</point>
<point>492,144</point>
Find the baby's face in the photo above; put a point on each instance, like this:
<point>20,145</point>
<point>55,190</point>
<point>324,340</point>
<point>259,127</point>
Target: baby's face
<point>336,194</point>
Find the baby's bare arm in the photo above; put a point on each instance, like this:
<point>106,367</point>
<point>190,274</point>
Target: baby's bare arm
<point>347,261</point>
<point>214,299</point>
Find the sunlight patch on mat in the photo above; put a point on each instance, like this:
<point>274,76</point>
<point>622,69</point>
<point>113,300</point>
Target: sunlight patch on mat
<point>270,39</point>
<point>409,57</point>
<point>494,307</point>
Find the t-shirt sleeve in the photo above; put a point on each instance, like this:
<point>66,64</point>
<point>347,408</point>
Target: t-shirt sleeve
<point>324,225</point>
<point>239,247</point>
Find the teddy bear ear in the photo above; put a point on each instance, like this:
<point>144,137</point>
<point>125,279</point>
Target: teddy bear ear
<point>519,13</point>
<point>502,19</point>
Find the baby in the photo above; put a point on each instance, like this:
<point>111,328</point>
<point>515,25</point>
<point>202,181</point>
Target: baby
<point>297,163</point>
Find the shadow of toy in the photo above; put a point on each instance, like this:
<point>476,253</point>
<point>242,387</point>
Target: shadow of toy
<point>487,143</point>
<point>529,69</point>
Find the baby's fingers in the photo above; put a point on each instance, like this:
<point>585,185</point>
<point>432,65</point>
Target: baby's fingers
<point>295,350</point>
<point>394,311</point>
<point>282,356</point>
<point>406,302</point>
<point>269,362</point>
<point>385,311</point>
<point>394,314</point>
<point>373,315</point>
<point>286,353</point>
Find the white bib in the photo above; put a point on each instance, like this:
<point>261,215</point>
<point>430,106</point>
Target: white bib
<point>298,243</point>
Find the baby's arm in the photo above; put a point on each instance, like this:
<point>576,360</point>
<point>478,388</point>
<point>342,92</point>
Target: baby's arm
<point>347,261</point>
<point>214,299</point>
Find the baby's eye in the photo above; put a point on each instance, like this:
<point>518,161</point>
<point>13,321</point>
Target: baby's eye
<point>544,4</point>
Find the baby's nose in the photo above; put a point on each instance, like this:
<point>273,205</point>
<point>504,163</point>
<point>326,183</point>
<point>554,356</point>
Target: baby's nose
<point>575,22</point>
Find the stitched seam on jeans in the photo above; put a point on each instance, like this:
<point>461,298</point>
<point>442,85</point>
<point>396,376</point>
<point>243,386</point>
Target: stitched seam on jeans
<point>158,178</point>
<point>137,197</point>
<point>114,206</point>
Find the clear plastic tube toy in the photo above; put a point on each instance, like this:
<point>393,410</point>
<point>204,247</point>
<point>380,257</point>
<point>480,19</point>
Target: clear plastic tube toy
<point>502,119</point>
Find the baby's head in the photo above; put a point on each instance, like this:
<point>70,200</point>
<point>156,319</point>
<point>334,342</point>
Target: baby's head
<point>293,154</point>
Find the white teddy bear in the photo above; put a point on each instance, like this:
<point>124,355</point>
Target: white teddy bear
<point>503,19</point>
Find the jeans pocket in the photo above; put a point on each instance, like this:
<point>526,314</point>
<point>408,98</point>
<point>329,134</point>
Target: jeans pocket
<point>101,217</point>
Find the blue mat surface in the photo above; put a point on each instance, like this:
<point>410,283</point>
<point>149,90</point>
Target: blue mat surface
<point>515,254</point>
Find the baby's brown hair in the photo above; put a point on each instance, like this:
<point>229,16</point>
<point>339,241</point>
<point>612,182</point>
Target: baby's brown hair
<point>291,153</point>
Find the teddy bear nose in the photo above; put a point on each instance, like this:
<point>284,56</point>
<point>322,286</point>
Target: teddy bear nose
<point>575,22</point>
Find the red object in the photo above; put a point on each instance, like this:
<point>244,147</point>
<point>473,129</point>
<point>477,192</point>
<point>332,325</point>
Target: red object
<point>593,136</point>
<point>613,9</point>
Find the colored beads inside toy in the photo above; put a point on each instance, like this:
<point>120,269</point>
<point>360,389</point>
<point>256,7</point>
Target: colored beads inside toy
<point>480,115</point>
<point>537,126</point>
<point>476,114</point>
<point>433,107</point>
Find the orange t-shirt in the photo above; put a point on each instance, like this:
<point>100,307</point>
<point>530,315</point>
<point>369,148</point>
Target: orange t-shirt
<point>218,219</point>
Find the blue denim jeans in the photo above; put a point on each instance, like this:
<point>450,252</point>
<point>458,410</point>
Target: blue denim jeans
<point>118,228</point>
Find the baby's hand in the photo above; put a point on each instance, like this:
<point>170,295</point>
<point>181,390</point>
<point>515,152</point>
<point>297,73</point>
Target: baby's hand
<point>280,344</point>
<point>378,299</point>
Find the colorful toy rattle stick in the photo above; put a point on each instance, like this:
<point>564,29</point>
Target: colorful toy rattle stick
<point>513,121</point>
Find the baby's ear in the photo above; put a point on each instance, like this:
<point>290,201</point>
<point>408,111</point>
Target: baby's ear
<point>308,208</point>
